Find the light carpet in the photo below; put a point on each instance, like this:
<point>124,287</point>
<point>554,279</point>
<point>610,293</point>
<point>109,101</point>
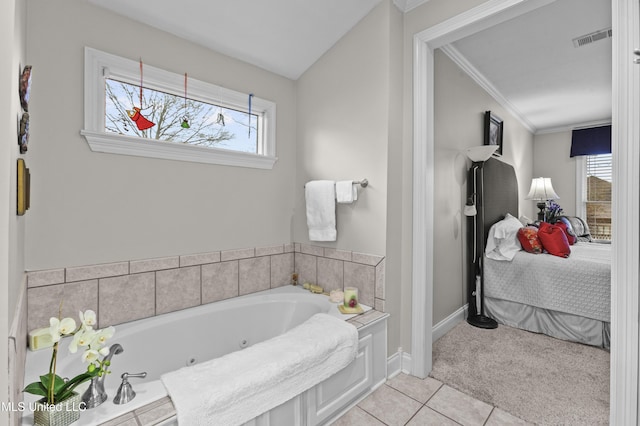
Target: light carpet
<point>535,377</point>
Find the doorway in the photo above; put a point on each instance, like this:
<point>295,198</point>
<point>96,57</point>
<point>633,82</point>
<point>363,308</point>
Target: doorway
<point>626,134</point>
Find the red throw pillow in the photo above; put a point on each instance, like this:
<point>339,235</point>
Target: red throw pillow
<point>554,240</point>
<point>528,237</point>
<point>571,237</point>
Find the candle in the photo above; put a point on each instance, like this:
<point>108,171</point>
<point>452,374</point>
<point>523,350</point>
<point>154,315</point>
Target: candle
<point>350,297</point>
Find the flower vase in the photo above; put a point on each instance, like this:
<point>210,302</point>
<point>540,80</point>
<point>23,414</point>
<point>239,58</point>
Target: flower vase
<point>61,414</point>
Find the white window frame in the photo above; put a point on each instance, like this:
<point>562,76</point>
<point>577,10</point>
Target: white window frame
<point>98,65</point>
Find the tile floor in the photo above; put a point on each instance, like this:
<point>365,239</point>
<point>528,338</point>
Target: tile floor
<point>408,400</point>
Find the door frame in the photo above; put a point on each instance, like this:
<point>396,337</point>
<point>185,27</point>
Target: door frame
<point>624,395</point>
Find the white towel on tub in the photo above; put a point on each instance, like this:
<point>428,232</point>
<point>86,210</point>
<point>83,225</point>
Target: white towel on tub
<point>237,387</point>
<point>320,196</point>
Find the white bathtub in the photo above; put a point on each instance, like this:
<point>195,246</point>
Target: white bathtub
<point>167,342</point>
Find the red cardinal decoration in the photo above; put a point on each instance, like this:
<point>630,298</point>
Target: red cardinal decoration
<point>141,122</point>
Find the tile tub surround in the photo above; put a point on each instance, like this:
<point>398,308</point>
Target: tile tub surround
<point>337,269</point>
<point>125,291</point>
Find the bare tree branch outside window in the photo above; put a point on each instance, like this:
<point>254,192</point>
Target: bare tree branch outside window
<point>209,125</point>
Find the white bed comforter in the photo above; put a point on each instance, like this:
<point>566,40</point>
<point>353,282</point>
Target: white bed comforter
<point>579,284</point>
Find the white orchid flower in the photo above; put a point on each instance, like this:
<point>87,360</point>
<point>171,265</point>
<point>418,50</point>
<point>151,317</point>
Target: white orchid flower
<point>104,351</point>
<point>88,318</point>
<point>102,336</point>
<point>58,328</point>
<point>90,355</point>
<point>82,338</point>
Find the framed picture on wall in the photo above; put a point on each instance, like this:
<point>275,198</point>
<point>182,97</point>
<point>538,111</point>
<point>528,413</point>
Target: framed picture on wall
<point>493,131</point>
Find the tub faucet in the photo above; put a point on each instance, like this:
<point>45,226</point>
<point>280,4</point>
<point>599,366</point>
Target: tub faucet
<point>95,394</point>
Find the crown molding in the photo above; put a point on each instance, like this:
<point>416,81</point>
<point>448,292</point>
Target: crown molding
<point>457,57</point>
<point>407,5</point>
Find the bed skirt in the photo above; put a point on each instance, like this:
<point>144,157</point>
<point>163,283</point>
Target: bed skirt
<point>552,323</point>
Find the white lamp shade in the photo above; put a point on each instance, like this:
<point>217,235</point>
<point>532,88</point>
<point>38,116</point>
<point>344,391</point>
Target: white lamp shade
<point>542,189</point>
<point>481,153</point>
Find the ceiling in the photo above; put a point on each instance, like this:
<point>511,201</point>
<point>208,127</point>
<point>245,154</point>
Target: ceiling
<point>532,63</point>
<point>528,63</point>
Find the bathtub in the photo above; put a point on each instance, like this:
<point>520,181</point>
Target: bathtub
<point>168,342</point>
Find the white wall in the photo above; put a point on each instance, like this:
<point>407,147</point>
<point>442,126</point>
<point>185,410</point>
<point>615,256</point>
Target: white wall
<point>551,159</point>
<point>91,207</point>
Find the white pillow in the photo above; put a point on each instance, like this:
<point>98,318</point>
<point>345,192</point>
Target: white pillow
<point>502,241</point>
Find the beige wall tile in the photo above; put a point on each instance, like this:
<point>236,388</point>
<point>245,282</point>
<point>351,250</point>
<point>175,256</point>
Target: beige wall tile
<point>267,251</point>
<point>367,259</point>
<point>177,289</point>
<point>237,254</point>
<point>46,277</point>
<point>199,259</point>
<point>126,298</point>
<point>254,275</point>
<point>219,281</point>
<point>44,302</point>
<point>307,268</point>
<point>337,254</point>
<point>314,250</point>
<point>380,279</point>
<point>281,269</point>
<point>148,265</point>
<point>82,273</point>
<point>289,248</point>
<point>363,277</point>
<point>330,273</point>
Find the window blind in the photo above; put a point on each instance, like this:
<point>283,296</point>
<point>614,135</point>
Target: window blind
<point>592,141</point>
<point>598,202</point>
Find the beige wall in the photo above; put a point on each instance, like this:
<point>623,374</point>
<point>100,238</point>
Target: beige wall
<point>459,122</point>
<point>343,131</point>
<point>92,207</point>
<point>551,159</point>
<point>12,42</point>
<point>348,116</point>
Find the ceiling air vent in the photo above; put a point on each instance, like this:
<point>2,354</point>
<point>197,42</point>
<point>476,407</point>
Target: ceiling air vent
<point>592,37</point>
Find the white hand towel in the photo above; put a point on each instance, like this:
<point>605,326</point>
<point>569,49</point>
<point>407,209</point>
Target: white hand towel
<point>346,192</point>
<point>320,196</point>
<point>237,387</point>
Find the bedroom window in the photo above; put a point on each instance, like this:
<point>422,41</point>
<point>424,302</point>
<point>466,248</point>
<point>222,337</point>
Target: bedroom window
<point>597,195</point>
<point>173,116</point>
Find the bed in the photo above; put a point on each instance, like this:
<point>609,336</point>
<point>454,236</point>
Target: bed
<point>567,298</point>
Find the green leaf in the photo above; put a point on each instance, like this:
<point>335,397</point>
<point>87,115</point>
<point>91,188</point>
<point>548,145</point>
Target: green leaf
<point>36,388</point>
<point>46,381</point>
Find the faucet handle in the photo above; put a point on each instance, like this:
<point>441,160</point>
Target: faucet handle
<point>125,391</point>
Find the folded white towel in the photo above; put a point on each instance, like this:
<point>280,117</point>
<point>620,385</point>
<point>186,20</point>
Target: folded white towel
<point>237,387</point>
<point>346,192</point>
<point>320,196</point>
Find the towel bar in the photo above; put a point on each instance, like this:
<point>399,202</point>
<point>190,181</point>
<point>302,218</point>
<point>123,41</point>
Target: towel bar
<point>363,183</point>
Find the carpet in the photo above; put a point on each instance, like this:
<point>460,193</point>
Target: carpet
<point>537,378</point>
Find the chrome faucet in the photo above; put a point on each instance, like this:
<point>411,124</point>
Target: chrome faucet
<point>95,394</point>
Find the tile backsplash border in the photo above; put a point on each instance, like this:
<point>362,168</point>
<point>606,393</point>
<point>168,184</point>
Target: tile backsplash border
<point>129,290</point>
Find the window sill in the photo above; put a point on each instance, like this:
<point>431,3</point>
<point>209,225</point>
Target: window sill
<point>126,145</point>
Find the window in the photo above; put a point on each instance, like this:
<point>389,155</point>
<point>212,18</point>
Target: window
<point>208,123</point>
<point>596,194</point>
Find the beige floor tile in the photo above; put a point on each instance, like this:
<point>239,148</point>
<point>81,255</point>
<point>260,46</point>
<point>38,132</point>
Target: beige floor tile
<point>357,417</point>
<point>459,407</point>
<point>390,406</point>
<point>419,389</point>
<point>500,417</point>
<point>427,417</point>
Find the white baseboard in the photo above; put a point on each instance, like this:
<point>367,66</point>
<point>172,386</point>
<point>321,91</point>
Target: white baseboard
<point>444,326</point>
<point>401,362</point>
